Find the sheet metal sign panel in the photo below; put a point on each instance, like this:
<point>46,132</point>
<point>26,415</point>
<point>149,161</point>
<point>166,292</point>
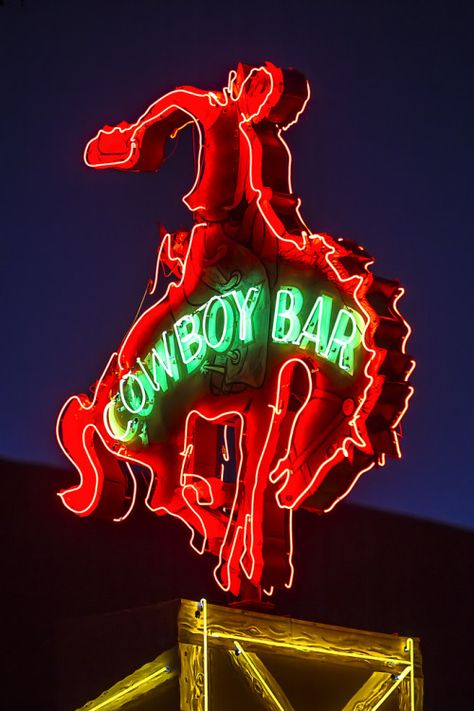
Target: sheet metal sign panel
<point>270,374</point>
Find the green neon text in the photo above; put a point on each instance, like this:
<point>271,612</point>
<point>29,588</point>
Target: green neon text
<point>334,339</point>
<point>318,325</point>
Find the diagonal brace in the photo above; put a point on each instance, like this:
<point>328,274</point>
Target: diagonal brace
<point>259,679</point>
<point>371,693</point>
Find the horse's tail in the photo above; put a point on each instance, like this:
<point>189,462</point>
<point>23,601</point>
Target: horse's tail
<point>103,484</point>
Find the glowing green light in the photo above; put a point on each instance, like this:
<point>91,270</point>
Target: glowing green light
<point>246,306</point>
<point>133,393</point>
<point>286,324</point>
<point>345,337</point>
<point>330,331</point>
<point>218,316</point>
<point>115,428</point>
<point>338,347</point>
<point>161,362</point>
<point>190,342</point>
<point>316,328</point>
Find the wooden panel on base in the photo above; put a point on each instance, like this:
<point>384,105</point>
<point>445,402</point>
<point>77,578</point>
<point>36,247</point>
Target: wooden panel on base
<point>233,659</point>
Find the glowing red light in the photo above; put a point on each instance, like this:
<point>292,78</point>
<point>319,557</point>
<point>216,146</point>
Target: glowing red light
<point>279,338</point>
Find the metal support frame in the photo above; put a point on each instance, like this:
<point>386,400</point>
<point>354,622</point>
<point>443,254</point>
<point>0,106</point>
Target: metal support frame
<point>261,682</point>
<point>388,665</point>
<point>161,671</point>
<point>399,670</point>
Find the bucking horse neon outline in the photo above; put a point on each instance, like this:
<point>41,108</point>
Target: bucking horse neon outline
<point>270,375</point>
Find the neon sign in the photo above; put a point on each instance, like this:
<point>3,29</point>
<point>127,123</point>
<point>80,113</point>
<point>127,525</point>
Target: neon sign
<point>220,326</point>
<point>271,374</point>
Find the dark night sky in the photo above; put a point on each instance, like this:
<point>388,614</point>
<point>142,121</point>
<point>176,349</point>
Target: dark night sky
<point>383,156</point>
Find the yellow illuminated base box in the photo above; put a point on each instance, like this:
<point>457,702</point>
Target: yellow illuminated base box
<point>227,659</point>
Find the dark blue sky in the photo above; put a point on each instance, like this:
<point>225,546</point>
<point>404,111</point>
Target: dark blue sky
<point>383,156</point>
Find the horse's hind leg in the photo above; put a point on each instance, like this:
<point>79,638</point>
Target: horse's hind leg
<point>259,539</point>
